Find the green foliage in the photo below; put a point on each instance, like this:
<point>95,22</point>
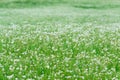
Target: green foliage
<point>66,42</point>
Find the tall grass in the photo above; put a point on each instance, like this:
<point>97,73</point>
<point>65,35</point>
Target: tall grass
<point>76,40</point>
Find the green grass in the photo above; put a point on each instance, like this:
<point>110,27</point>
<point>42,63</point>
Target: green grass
<point>63,41</point>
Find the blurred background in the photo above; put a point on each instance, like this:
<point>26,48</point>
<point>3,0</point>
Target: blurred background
<point>75,3</point>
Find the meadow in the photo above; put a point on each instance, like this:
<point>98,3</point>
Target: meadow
<point>59,40</point>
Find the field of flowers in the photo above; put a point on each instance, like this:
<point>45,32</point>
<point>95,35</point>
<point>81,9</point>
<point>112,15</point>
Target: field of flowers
<point>60,42</point>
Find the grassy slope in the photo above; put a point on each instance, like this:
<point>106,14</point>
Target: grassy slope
<point>60,41</point>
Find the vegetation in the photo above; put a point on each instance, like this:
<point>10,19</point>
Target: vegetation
<point>76,3</point>
<point>64,40</point>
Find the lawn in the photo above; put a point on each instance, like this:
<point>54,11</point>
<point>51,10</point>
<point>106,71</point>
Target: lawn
<point>59,40</point>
